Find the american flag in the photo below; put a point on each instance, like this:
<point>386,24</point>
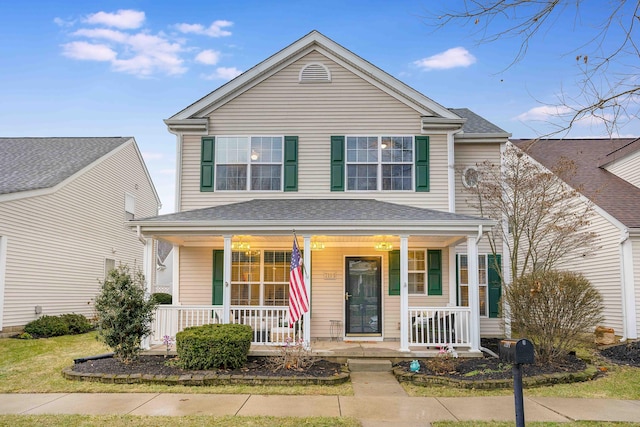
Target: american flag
<point>298,299</point>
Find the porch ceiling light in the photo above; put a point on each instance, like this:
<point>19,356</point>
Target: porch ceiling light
<point>240,246</point>
<point>384,246</point>
<point>317,246</point>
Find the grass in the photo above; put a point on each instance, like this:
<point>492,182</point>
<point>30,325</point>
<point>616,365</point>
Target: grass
<point>532,424</point>
<point>185,421</point>
<point>34,366</point>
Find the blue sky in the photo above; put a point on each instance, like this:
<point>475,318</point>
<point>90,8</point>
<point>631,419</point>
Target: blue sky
<point>118,68</point>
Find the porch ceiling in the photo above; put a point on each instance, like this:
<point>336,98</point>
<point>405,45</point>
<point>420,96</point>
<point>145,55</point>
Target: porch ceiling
<point>317,217</point>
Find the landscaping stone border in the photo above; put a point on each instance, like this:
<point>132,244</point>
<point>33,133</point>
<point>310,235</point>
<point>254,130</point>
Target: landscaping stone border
<point>204,379</point>
<point>528,382</point>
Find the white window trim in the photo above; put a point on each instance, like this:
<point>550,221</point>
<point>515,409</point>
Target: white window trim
<point>425,292</point>
<point>261,282</point>
<point>379,163</point>
<point>129,205</point>
<point>485,284</point>
<point>248,164</point>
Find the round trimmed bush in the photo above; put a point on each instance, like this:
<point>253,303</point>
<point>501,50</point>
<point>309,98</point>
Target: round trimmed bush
<point>47,326</point>
<point>162,298</point>
<point>214,346</point>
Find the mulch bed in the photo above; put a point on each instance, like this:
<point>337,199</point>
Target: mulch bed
<point>159,365</point>
<point>624,354</point>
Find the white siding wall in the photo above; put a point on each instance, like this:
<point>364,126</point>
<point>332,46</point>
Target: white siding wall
<point>627,169</point>
<point>313,112</point>
<point>328,286</point>
<point>636,277</point>
<point>57,243</point>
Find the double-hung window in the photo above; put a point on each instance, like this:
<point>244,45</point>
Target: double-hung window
<point>248,163</point>
<point>260,278</point>
<point>463,279</point>
<point>379,163</point>
<point>417,272</point>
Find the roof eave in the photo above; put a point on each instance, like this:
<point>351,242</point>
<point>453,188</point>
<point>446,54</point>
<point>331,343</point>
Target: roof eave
<point>194,126</point>
<point>482,137</point>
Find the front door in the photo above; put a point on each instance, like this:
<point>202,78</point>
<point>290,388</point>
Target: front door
<point>363,296</point>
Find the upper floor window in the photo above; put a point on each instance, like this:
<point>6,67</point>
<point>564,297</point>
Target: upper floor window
<point>380,163</point>
<point>248,163</point>
<point>129,206</point>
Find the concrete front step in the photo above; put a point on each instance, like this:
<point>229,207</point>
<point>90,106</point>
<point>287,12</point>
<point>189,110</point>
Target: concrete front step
<point>369,365</point>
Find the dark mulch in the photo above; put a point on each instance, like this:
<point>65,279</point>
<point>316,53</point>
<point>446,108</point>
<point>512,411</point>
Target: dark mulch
<point>159,365</point>
<point>624,354</point>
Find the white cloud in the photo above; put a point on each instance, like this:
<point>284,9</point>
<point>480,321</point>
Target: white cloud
<point>209,57</point>
<point>544,112</point>
<point>147,155</point>
<point>88,51</point>
<point>62,23</point>
<point>214,30</point>
<point>103,33</point>
<point>224,73</point>
<point>451,58</point>
<point>124,19</point>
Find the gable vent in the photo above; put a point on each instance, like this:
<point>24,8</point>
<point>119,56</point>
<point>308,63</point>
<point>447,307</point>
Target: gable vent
<point>315,73</point>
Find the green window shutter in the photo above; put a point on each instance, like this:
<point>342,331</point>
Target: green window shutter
<point>434,259</point>
<point>207,157</point>
<point>337,163</point>
<point>290,163</point>
<point>422,163</point>
<point>495,284</point>
<point>394,273</point>
<point>218,277</point>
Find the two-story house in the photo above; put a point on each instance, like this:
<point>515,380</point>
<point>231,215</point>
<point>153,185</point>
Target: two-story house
<point>319,142</point>
<point>64,207</point>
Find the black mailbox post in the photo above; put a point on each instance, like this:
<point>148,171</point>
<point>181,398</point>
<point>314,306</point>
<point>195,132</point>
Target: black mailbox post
<point>517,352</point>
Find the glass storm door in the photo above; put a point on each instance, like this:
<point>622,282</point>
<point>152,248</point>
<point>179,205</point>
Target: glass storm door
<point>363,296</point>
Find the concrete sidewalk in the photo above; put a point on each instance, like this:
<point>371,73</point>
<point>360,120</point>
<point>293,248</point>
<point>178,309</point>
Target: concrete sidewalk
<point>370,410</point>
<point>379,401</point>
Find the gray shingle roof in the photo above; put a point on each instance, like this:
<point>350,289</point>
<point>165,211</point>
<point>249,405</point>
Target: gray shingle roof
<point>610,192</point>
<point>476,123</point>
<point>297,210</point>
<point>36,163</point>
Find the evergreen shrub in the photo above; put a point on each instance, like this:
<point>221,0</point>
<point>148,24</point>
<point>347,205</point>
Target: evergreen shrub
<point>162,298</point>
<point>214,346</point>
<point>47,326</point>
<point>77,323</point>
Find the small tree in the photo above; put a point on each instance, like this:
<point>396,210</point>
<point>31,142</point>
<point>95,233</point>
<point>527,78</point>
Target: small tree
<point>553,309</point>
<point>124,312</point>
<point>544,220</point>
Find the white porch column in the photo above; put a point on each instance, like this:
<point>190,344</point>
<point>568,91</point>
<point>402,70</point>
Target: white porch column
<point>453,285</point>
<point>404,293</point>
<point>148,262</point>
<point>474,293</point>
<point>3,268</point>
<point>175,280</point>
<point>226,291</point>
<point>306,271</point>
<point>630,330</point>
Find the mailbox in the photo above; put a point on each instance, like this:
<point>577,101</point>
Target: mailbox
<point>516,351</point>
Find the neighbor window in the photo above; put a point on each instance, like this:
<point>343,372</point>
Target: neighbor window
<point>470,177</point>
<point>417,272</point>
<point>379,163</point>
<point>463,279</point>
<point>260,278</point>
<point>109,264</point>
<point>248,163</point>
<point>129,206</point>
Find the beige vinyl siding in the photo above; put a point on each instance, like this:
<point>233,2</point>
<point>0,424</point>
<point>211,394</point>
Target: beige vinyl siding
<point>57,243</point>
<point>636,277</point>
<point>471,155</point>
<point>627,168</point>
<point>603,270</point>
<point>327,286</point>
<point>280,105</point>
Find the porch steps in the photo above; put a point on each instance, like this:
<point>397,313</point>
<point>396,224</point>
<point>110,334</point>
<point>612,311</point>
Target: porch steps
<point>369,365</point>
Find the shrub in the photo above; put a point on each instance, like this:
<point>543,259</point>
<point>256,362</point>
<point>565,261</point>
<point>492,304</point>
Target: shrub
<point>214,346</point>
<point>47,326</point>
<point>553,309</point>
<point>77,323</point>
<point>124,313</point>
<point>162,298</point>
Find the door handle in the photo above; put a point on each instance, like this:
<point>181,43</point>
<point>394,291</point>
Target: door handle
<point>347,295</point>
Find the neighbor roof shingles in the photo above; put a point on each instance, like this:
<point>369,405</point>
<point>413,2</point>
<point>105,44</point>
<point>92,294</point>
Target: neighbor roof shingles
<point>476,123</point>
<point>36,163</point>
<point>613,194</point>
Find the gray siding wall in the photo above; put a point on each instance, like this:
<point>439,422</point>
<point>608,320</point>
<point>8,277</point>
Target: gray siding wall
<point>57,243</point>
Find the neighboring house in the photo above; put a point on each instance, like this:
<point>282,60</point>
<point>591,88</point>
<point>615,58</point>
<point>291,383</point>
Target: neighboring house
<point>608,175</point>
<point>64,203</point>
<point>319,141</point>
<point>164,267</point>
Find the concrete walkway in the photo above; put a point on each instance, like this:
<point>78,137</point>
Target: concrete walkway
<point>379,401</point>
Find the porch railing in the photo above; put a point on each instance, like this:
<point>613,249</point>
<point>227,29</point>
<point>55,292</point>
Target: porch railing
<point>439,326</point>
<point>270,324</point>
